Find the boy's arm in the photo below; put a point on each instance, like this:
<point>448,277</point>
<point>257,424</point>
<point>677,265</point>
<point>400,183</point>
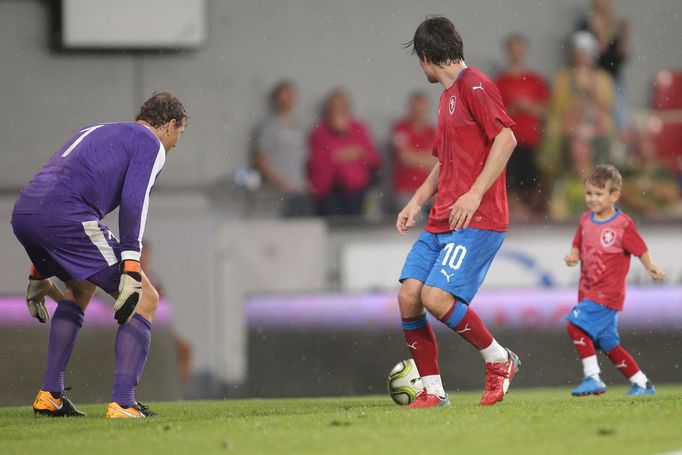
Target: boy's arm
<point>634,244</point>
<point>573,257</point>
<point>648,263</point>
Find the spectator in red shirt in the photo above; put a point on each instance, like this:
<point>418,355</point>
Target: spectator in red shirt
<point>525,96</point>
<point>412,139</point>
<point>343,159</point>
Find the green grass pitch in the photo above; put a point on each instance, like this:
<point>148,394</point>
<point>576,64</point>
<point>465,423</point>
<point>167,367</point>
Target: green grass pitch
<point>529,421</point>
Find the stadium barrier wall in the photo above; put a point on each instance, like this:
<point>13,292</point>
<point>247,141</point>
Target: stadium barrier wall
<point>23,354</point>
<point>345,343</point>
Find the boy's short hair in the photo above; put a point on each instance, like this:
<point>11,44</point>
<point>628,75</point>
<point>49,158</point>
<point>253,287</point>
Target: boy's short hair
<point>602,174</point>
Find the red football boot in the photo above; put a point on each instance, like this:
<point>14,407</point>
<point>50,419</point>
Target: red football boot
<point>426,400</point>
<point>498,376</point>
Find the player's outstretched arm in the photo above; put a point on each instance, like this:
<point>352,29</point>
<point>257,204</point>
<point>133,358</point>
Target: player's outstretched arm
<point>573,257</point>
<point>654,271</point>
<point>464,208</point>
<point>407,218</point>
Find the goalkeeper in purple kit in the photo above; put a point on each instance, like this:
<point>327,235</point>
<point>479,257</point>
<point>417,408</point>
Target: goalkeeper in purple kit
<point>57,218</point>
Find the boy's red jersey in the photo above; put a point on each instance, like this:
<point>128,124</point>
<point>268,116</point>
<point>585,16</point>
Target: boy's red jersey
<point>470,115</point>
<point>605,249</point>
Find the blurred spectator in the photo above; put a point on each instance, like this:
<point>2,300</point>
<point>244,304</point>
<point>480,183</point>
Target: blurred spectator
<point>580,125</point>
<point>612,37</point>
<point>649,187</point>
<point>525,96</point>
<point>183,348</point>
<point>581,106</point>
<point>412,140</point>
<point>343,159</point>
<point>281,153</point>
<point>568,190</point>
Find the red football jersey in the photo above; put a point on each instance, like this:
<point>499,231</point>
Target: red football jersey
<point>470,115</point>
<point>406,178</point>
<point>605,249</point>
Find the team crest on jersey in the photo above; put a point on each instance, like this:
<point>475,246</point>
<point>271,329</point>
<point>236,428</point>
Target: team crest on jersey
<point>608,237</point>
<point>451,106</point>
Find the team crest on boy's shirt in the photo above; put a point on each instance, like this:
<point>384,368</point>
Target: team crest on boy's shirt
<point>607,238</point>
<point>451,106</point>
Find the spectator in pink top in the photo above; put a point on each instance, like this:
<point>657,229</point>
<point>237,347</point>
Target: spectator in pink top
<point>343,159</point>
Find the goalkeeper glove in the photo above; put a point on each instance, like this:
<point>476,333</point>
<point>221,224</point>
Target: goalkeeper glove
<point>36,291</point>
<point>129,291</point>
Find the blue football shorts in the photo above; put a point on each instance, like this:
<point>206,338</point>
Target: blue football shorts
<point>456,261</point>
<point>598,321</point>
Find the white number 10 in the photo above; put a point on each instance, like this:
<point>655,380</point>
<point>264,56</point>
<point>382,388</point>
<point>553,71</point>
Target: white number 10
<point>455,254</point>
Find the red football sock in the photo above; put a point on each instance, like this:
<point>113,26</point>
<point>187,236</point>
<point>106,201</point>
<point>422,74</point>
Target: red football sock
<point>422,343</point>
<point>623,361</point>
<point>582,341</point>
<point>472,329</point>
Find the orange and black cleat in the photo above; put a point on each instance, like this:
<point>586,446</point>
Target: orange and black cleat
<point>49,404</point>
<point>136,411</point>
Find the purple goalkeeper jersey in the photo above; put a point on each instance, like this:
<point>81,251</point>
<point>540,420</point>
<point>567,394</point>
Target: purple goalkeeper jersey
<point>100,168</point>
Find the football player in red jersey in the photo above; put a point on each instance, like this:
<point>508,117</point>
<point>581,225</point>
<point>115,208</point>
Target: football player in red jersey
<point>468,220</point>
<point>603,244</point>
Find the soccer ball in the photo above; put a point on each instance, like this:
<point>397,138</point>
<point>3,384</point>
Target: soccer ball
<point>404,382</point>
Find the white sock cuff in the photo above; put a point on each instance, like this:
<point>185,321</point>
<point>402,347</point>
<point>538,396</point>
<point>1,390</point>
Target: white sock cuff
<point>639,378</point>
<point>433,385</point>
<point>591,366</point>
<point>494,353</point>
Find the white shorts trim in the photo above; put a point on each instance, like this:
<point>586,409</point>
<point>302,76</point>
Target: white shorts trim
<point>97,238</point>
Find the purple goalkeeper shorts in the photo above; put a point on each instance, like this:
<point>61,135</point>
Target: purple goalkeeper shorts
<point>70,249</point>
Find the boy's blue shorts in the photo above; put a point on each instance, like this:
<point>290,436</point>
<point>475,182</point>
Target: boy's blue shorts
<point>456,261</point>
<point>598,321</point>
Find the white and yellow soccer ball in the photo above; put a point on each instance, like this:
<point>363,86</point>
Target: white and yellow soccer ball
<point>404,382</point>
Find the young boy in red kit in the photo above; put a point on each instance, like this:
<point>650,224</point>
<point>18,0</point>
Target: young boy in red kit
<point>603,243</point>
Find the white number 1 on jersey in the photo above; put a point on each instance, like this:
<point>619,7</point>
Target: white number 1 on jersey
<point>85,132</point>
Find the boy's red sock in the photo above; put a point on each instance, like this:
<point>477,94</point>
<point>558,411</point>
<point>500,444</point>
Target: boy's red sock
<point>623,361</point>
<point>582,342</point>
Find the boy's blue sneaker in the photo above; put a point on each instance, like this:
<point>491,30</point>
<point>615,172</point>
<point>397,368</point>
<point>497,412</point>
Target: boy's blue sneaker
<point>637,390</point>
<point>589,386</point>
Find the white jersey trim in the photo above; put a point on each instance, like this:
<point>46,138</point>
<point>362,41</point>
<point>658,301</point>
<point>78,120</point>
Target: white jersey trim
<point>131,255</point>
<point>158,165</point>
